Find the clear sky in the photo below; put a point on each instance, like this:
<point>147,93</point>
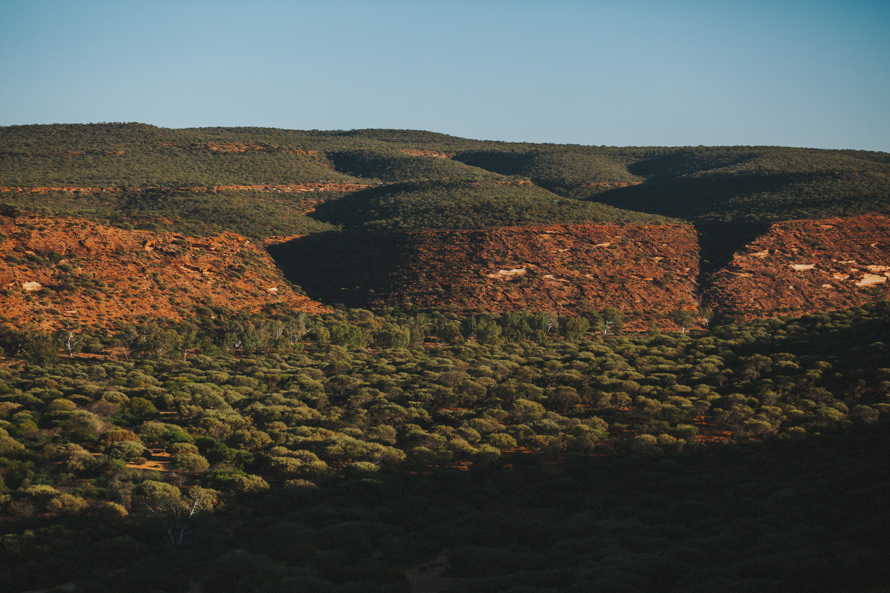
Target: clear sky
<point>630,72</point>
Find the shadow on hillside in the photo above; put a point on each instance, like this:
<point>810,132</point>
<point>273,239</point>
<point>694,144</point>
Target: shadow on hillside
<point>701,201</point>
<point>351,210</point>
<point>684,162</point>
<point>362,269</point>
<point>716,197</point>
<point>348,268</point>
<point>718,241</point>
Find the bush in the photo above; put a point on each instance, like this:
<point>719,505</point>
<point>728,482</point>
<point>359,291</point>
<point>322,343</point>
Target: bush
<point>66,504</point>
<point>190,463</point>
<point>126,450</point>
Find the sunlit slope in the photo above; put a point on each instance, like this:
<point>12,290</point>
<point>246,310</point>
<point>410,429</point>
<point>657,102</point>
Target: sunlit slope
<point>384,164</point>
<point>66,272</point>
<point>136,155</point>
<point>570,171</point>
<point>807,266</point>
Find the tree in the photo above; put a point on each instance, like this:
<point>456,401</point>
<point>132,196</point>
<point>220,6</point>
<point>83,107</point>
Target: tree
<point>684,318</point>
<point>126,450</point>
<point>488,332</point>
<point>190,463</point>
<point>138,409</point>
<point>612,319</point>
<point>565,398</point>
<point>524,410</point>
<point>72,341</point>
<point>40,348</point>
<point>162,343</point>
<point>575,328</point>
<point>174,510</point>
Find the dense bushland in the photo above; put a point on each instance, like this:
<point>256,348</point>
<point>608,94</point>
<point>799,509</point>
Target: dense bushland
<point>196,212</point>
<point>758,197</point>
<point>465,205</point>
<point>695,183</point>
<point>534,451</point>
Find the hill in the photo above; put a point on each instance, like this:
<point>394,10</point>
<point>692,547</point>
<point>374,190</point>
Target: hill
<point>509,399</point>
<point>427,205</point>
<point>65,272</point>
<point>565,269</point>
<point>807,266</point>
<point>750,183</point>
<point>383,189</point>
<point>694,183</point>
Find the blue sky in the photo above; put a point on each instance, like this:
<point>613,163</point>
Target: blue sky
<point>619,73</point>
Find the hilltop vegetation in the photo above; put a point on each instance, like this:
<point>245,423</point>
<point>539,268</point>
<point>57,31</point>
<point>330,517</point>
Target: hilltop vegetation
<point>758,197</point>
<point>386,164</point>
<point>464,205</point>
<point>706,183</point>
<point>136,155</point>
<point>197,212</point>
<point>701,183</point>
<point>570,170</point>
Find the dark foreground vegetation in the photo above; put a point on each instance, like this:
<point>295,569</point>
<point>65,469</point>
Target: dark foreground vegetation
<point>523,452</point>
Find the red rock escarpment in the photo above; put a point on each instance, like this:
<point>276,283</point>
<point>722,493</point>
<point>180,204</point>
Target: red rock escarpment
<point>63,270</point>
<point>805,266</point>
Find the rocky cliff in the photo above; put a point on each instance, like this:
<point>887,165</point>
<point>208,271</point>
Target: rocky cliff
<point>804,266</point>
<point>55,271</point>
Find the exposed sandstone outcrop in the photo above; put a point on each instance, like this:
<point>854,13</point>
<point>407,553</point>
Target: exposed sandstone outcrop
<point>646,270</point>
<point>805,266</point>
<point>637,269</point>
<point>54,270</point>
<point>291,188</point>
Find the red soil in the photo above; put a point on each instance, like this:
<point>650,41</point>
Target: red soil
<point>433,153</point>
<point>637,269</point>
<point>58,271</point>
<point>291,188</point>
<point>160,461</point>
<point>805,266</point>
<point>613,184</point>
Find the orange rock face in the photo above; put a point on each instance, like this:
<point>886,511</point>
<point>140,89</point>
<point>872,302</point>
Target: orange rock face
<point>58,271</point>
<point>806,266</point>
<point>432,153</point>
<point>648,270</point>
<point>636,269</point>
<point>55,271</point>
